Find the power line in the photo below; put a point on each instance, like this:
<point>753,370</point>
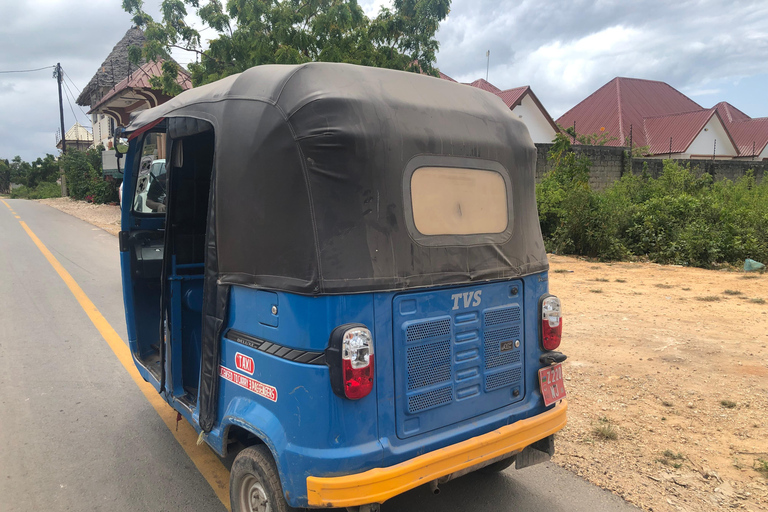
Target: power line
<point>73,83</point>
<point>68,94</point>
<point>73,98</point>
<point>27,70</point>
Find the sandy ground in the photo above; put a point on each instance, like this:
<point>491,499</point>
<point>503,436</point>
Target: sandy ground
<point>104,216</point>
<point>671,361</point>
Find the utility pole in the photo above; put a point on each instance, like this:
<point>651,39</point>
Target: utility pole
<point>487,63</point>
<point>59,76</point>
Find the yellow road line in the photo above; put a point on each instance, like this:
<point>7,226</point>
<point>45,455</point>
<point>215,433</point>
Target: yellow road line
<point>205,460</point>
<point>6,204</point>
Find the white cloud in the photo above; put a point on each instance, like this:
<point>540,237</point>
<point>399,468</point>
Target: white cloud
<point>564,49</point>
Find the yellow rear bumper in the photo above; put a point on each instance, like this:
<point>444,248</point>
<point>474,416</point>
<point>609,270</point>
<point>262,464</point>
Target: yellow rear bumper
<point>380,484</point>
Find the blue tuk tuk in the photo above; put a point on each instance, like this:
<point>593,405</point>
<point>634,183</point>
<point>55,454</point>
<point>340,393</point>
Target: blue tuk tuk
<point>340,273</point>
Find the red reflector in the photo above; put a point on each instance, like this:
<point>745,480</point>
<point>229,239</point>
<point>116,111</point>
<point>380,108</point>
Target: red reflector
<point>550,336</point>
<point>551,322</point>
<point>358,382</point>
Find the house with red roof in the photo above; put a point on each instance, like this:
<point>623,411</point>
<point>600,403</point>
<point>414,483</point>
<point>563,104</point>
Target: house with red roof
<point>751,135</point>
<point>657,116</point>
<point>525,106</point>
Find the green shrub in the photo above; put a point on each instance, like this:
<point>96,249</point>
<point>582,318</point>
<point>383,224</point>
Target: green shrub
<point>679,218</point>
<point>85,179</point>
<point>43,190</point>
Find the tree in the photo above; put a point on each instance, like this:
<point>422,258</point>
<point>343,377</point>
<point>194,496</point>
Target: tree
<point>255,32</point>
<point>19,170</point>
<point>43,170</point>
<point>5,177</point>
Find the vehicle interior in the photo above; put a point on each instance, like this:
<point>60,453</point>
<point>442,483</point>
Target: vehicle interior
<point>167,264</point>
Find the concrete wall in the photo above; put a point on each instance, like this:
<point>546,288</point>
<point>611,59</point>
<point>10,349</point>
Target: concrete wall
<point>608,165</point>
<point>719,169</point>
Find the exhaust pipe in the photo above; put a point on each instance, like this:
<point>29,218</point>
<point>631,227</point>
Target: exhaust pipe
<point>434,488</point>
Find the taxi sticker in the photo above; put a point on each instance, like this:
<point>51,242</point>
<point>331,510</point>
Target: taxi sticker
<point>261,389</point>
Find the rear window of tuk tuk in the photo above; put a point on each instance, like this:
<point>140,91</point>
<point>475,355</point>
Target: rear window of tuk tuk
<point>457,201</point>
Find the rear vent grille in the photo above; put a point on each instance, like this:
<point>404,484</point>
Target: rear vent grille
<point>502,379</point>
<point>508,333</point>
<point>502,316</point>
<point>426,330</point>
<point>429,364</point>
<point>495,358</point>
<point>430,399</point>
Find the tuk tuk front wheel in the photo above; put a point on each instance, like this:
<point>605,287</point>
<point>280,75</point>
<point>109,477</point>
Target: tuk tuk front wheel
<point>254,484</point>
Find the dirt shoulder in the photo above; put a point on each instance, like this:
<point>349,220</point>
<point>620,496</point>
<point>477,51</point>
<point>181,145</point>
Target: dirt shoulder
<point>102,215</point>
<point>671,360</point>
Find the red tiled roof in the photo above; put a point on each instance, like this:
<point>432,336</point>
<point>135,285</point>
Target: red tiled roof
<point>625,102</point>
<point>751,135</point>
<point>139,79</point>
<point>513,97</point>
<point>486,86</point>
<point>729,113</point>
<point>682,129</point>
<point>445,77</point>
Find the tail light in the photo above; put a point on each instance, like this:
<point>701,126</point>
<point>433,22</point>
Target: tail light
<point>551,322</point>
<point>350,359</point>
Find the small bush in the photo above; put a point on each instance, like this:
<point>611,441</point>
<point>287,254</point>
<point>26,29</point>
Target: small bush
<point>757,300</point>
<point>732,292</point>
<point>43,190</point>
<point>728,404</point>
<point>709,298</point>
<point>761,466</point>
<point>605,429</point>
<point>84,177</point>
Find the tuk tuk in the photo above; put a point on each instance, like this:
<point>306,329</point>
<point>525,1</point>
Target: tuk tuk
<point>346,282</point>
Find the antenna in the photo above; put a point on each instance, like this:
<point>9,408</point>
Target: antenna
<point>487,63</point>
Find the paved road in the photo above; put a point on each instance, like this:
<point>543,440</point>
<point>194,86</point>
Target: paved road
<point>76,433</point>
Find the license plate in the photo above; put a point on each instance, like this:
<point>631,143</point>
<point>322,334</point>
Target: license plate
<point>551,383</point>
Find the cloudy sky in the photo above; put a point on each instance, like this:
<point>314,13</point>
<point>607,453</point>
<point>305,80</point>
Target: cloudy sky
<point>711,50</point>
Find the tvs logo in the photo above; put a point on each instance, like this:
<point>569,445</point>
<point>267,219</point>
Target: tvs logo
<point>244,363</point>
<point>466,299</point>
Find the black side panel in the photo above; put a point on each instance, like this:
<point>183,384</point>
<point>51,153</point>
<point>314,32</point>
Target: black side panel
<point>215,298</point>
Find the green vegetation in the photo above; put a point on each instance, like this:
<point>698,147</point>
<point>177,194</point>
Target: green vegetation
<point>43,190</point>
<point>761,466</point>
<point>605,429</point>
<point>709,298</point>
<point>728,404</point>
<point>671,458</point>
<point>677,218</point>
<point>244,34</point>
<point>84,176</point>
<point>732,292</point>
<point>28,174</point>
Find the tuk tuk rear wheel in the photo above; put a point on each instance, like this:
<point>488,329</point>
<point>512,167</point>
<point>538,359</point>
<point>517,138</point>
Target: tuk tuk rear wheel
<point>254,483</point>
